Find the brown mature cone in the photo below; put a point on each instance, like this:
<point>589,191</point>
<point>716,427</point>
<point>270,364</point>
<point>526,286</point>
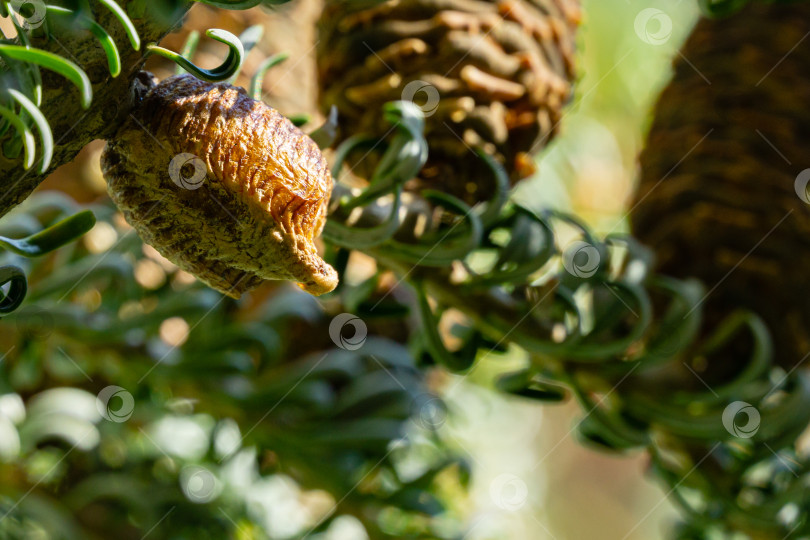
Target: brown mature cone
<point>718,197</point>
<point>493,74</point>
<point>222,185</point>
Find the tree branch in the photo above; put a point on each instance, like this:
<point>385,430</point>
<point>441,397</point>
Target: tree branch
<point>72,126</point>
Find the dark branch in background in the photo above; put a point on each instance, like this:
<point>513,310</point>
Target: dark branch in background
<point>718,197</point>
<point>723,198</point>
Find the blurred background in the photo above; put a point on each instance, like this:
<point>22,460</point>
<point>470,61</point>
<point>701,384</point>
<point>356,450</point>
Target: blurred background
<point>572,492</point>
<point>531,478</point>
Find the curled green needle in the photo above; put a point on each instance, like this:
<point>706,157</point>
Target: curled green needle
<point>258,77</point>
<point>55,63</point>
<point>231,65</point>
<point>45,133</point>
<point>51,238</point>
<point>12,299</point>
<point>25,134</point>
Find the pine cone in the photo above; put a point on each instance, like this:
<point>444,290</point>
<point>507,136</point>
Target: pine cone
<point>718,197</point>
<point>493,74</point>
<point>254,196</point>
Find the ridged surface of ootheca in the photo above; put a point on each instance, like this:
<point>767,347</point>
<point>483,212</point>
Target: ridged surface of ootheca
<point>502,70</point>
<point>257,210</point>
<point>718,196</point>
